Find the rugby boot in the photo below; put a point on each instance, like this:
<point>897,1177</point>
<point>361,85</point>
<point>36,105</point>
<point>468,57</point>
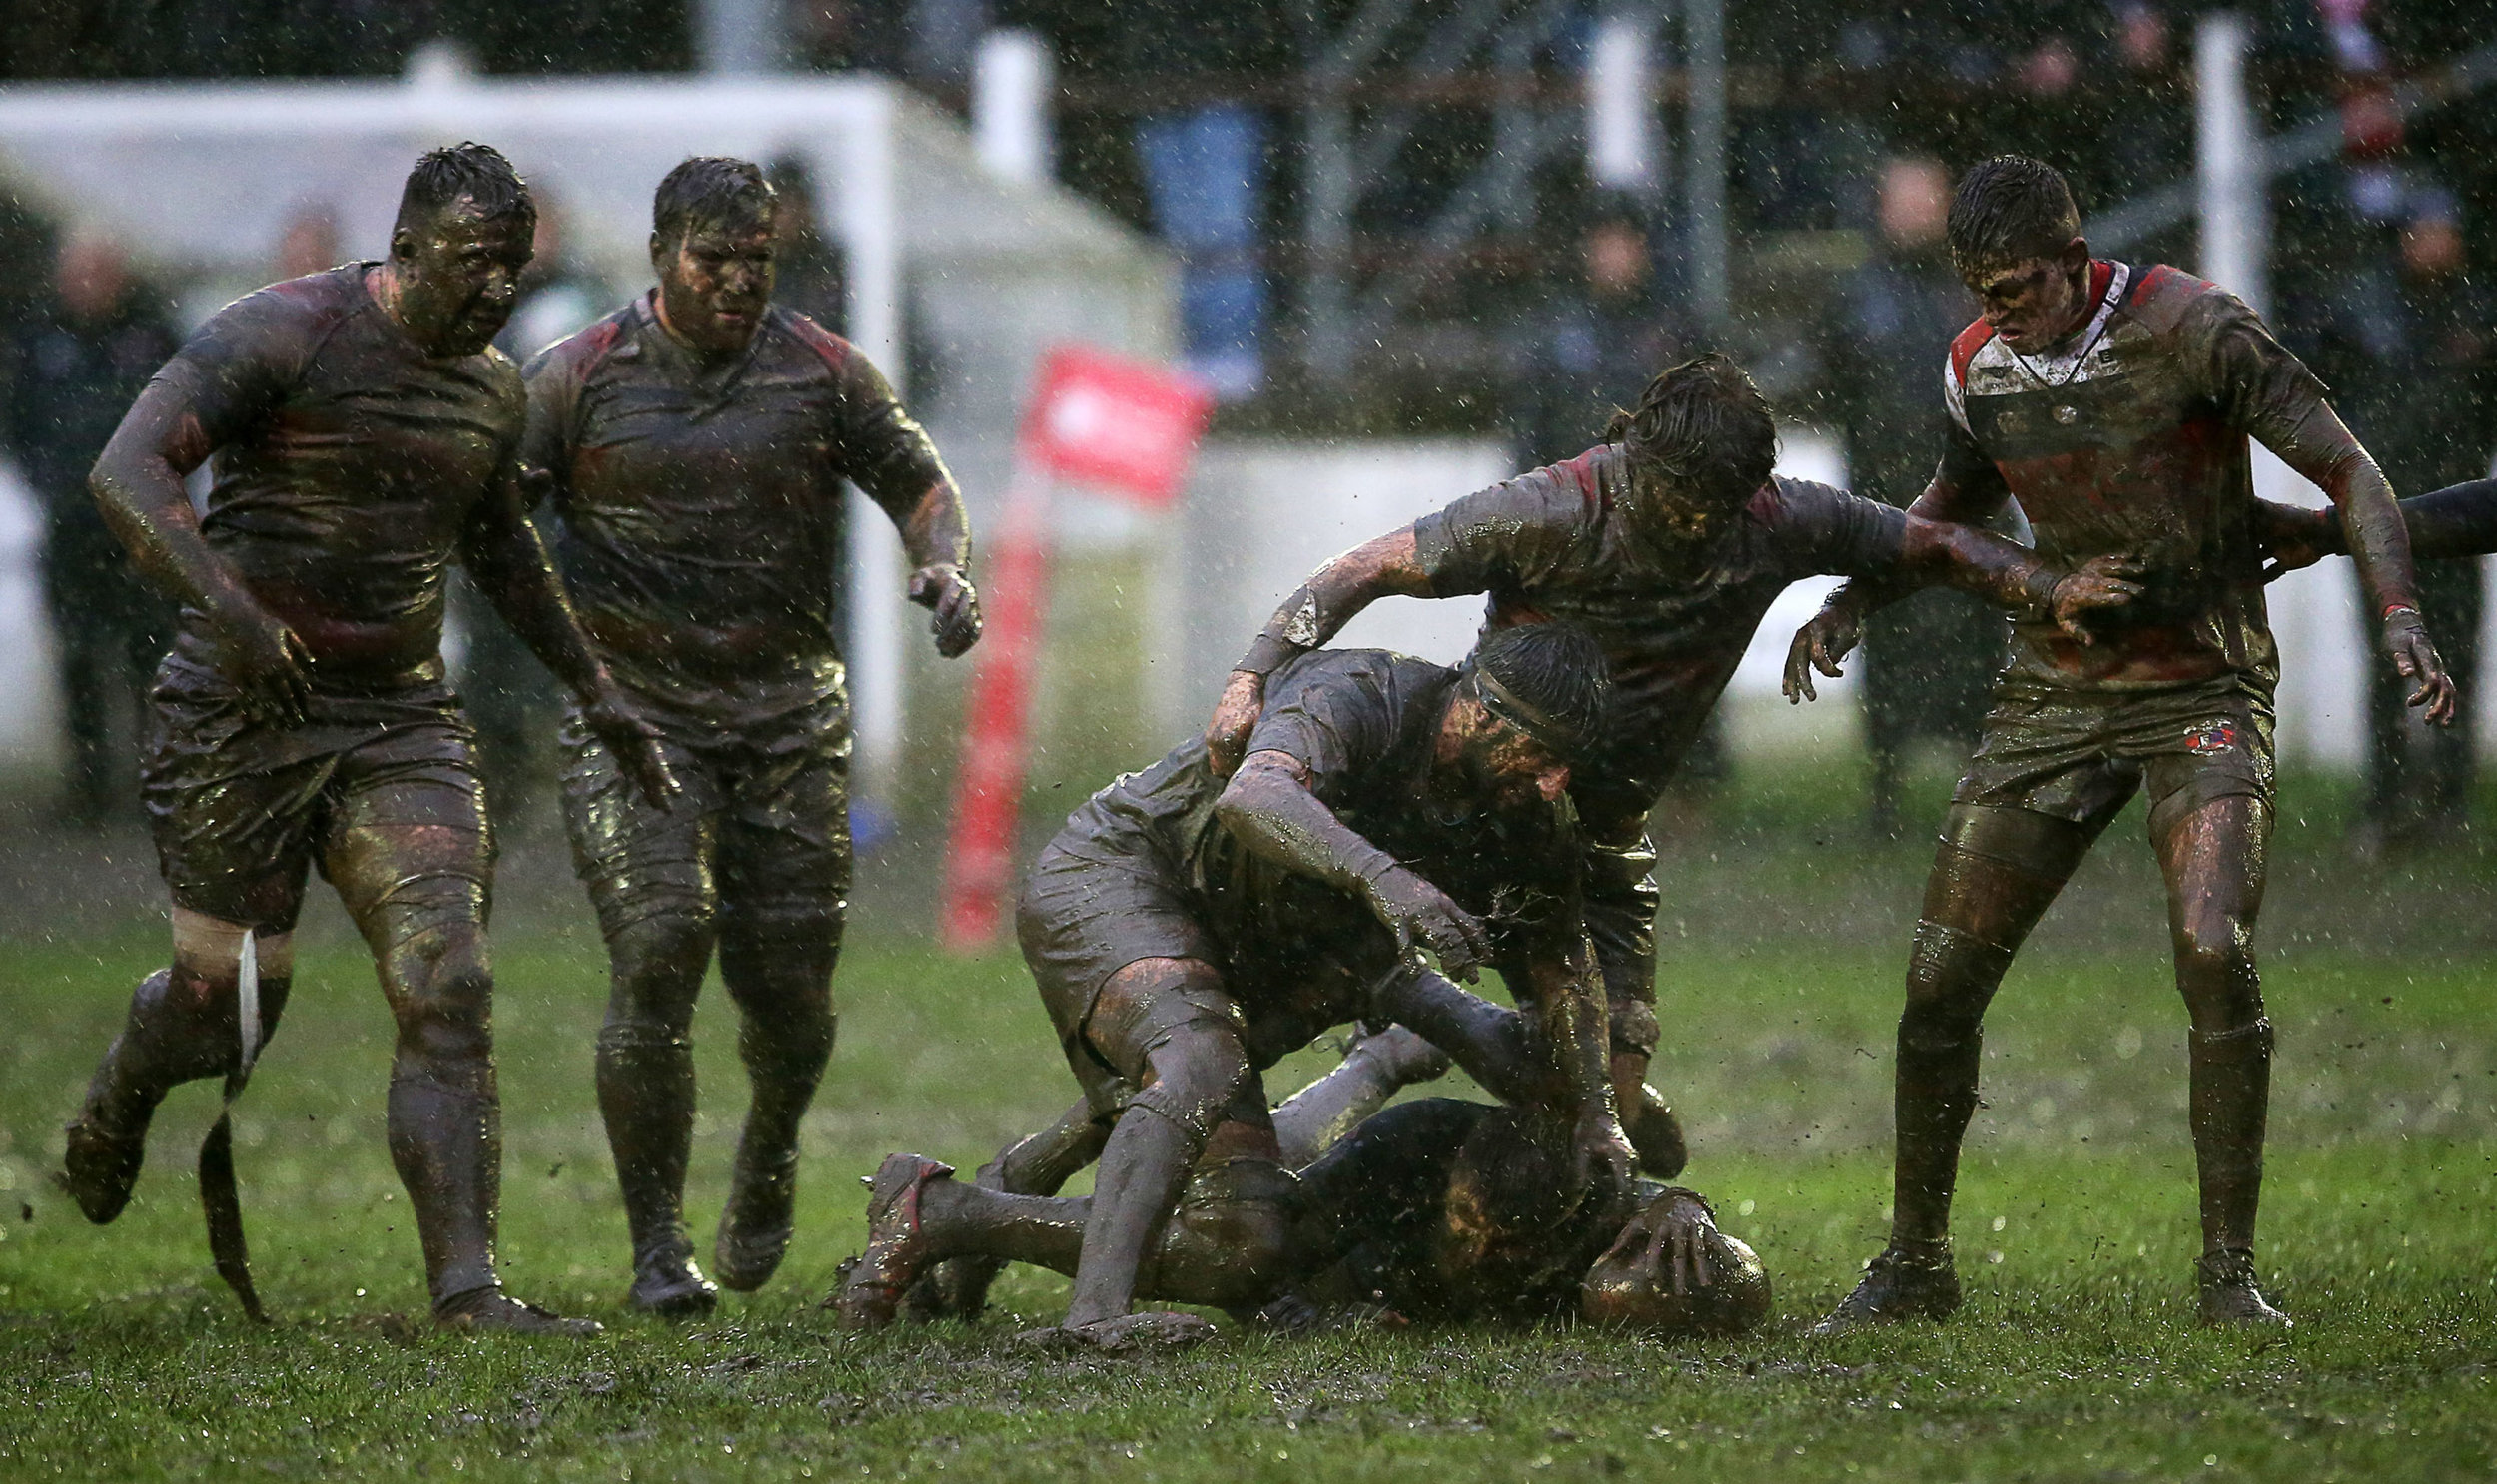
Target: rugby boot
<point>762,1210</point>
<point>100,1167</point>
<point>1896,1286</point>
<point>490,1310</point>
<point>872,1284</point>
<point>108,1140</point>
<point>2229,1296</point>
<point>666,1283</point>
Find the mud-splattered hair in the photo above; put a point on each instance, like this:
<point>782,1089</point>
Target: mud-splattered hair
<point>1701,435</point>
<point>711,190</point>
<point>1557,671</point>
<point>2010,209</point>
<point>475,171</point>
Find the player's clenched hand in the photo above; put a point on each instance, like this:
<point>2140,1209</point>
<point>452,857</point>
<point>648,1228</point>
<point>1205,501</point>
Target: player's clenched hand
<point>2414,657</point>
<point>1234,717</point>
<point>266,661</point>
<point>1422,915</point>
<point>632,741</point>
<point>2103,582</point>
<point>953,605</point>
<point>1820,645</point>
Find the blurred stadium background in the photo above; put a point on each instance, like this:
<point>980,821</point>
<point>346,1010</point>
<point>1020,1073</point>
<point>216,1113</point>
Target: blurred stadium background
<point>1413,245</point>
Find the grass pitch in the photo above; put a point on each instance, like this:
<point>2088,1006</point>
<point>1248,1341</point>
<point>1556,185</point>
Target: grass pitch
<point>2077,1357</point>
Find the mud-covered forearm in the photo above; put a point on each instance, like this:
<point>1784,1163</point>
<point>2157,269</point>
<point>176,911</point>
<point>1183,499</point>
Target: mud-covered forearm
<point>1316,610</point>
<point>2311,439</point>
<point>2378,541</point>
<point>889,455</point>
<point>1271,810</point>
<point>936,532</point>
<point>138,484</point>
<point>2003,572</point>
<point>1573,1020</point>
<point>509,564</point>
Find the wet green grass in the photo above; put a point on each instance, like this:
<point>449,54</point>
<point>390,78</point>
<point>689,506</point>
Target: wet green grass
<point>121,1356</point>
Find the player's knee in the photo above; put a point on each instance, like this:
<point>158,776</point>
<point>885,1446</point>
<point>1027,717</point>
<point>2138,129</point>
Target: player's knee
<point>1951,975</point>
<point>446,991</point>
<point>1203,1056</point>
<point>656,968</point>
<point>2215,970</point>
<point>790,1040</point>
<point>778,956</point>
<point>1197,1071</point>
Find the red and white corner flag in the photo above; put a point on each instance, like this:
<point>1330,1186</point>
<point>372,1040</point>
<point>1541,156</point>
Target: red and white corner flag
<point>1126,427</point>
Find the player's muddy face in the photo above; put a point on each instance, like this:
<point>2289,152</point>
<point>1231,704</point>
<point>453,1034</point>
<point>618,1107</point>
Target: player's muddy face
<point>2034,302</point>
<point>460,275</point>
<point>716,284</point>
<point>1510,766</point>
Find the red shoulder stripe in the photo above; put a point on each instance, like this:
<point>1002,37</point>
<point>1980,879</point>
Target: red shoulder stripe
<point>1586,472</point>
<point>1964,349</point>
<point>831,349</point>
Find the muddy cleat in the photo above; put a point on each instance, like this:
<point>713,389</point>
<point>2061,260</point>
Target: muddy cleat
<point>2229,1296</point>
<point>754,1229</point>
<point>673,1289</point>
<point>491,1310</point>
<point>1896,1286</point>
<point>1148,1332</point>
<point>101,1166</point>
<point>873,1284</point>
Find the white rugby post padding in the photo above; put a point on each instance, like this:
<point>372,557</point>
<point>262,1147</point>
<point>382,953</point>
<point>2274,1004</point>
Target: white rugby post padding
<point>1621,103</point>
<point>2229,162</point>
<point>2315,613</point>
<point>1011,82</point>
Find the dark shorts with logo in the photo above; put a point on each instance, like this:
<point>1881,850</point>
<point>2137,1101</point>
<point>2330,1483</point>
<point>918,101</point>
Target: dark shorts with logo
<point>378,789</point>
<point>2082,755</point>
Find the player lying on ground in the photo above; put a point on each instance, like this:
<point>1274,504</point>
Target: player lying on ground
<point>1042,1162</point>
<point>1438,1210</point>
<point>1668,544</point>
<point>2115,404</point>
<point>1185,933</point>
<point>365,435</point>
<point>696,443</point>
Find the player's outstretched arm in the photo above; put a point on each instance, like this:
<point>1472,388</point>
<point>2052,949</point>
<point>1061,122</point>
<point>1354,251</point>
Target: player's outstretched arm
<point>1267,805</point>
<point>2457,521</point>
<point>1571,1017</point>
<point>2028,586</point>
<point>1387,567</point>
<point>181,417</point>
<point>508,558</point>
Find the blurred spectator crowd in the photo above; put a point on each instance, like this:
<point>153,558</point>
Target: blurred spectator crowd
<point>1499,288</point>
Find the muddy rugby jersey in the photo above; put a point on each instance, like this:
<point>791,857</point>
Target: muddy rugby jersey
<point>2130,438</point>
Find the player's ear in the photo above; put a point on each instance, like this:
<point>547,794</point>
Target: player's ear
<point>658,253</point>
<point>403,243</point>
<point>2075,254</point>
